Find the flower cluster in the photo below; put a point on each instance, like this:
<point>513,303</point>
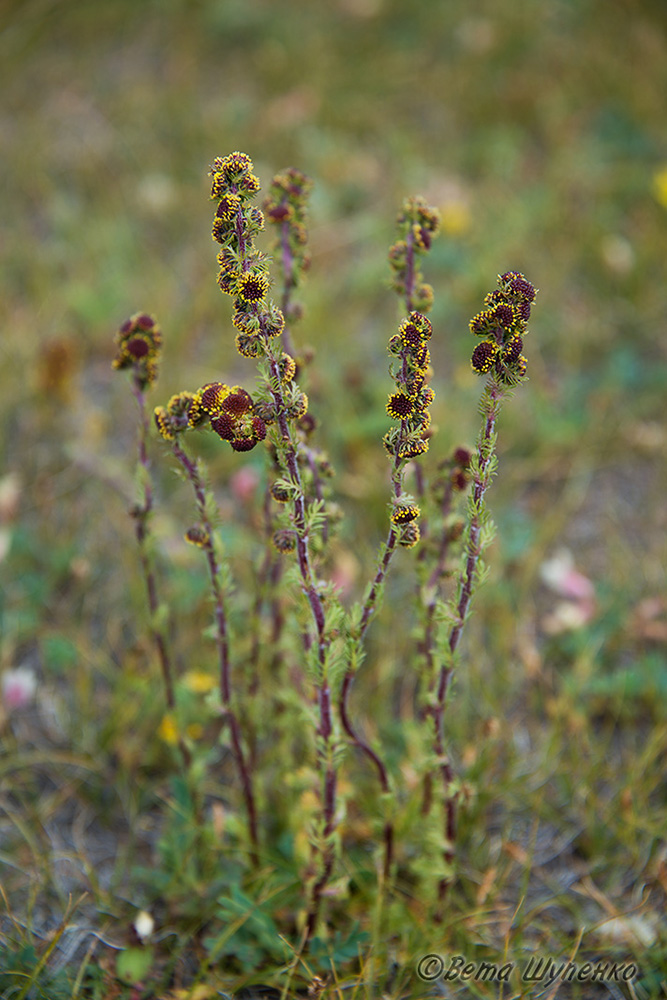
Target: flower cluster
<point>417,224</point>
<point>408,405</point>
<point>139,342</point>
<point>243,269</point>
<point>285,207</point>
<point>229,411</point>
<point>502,326</point>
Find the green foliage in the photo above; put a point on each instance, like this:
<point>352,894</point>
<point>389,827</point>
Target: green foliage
<point>134,964</point>
<point>250,935</point>
<point>19,977</point>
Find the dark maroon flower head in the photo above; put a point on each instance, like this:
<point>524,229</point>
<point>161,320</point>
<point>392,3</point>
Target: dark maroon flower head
<point>425,238</point>
<point>243,444</point>
<point>502,314</point>
<point>228,207</point>
<point>523,288</point>
<point>460,479</point>
<point>479,324</point>
<point>211,396</point>
<point>223,426</point>
<point>512,351</point>
<point>298,182</point>
<point>462,457</point>
<point>252,287</point>
<point>258,428</point>
<point>494,297</point>
<point>227,282</point>
<point>524,311</point>
<point>278,213</point>
<point>410,335</point>
<point>400,406</point>
<point>139,341</point>
<point>483,357</point>
<point>423,358</point>
<point>284,540</point>
<point>137,347</point>
<point>422,323</point>
<point>237,403</point>
<point>517,284</point>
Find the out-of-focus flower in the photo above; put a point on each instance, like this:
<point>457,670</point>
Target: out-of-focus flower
<point>18,687</point>
<point>578,593</point>
<point>199,682</point>
<point>632,929</point>
<point>649,620</point>
<point>144,925</point>
<point>139,342</point>
<point>660,186</point>
<point>455,217</point>
<point>618,254</point>
<point>167,730</point>
<point>560,575</point>
<point>244,483</point>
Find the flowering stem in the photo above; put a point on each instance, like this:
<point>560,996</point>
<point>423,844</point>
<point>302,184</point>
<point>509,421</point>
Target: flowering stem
<point>426,648</point>
<point>192,471</point>
<point>268,578</point>
<point>141,513</point>
<point>370,603</point>
<point>482,471</point>
<point>287,456</point>
<point>325,730</point>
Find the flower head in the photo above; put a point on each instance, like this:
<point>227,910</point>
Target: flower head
<point>503,325</point>
<point>224,426</point>
<point>163,423</point>
<point>198,535</point>
<point>400,406</point>
<point>252,287</point>
<point>210,397</point>
<point>413,448</point>
<point>514,283</point>
<point>404,512</point>
<point>237,402</point>
<point>483,357</point>
<point>139,342</point>
<point>409,535</point>
<point>284,540</point>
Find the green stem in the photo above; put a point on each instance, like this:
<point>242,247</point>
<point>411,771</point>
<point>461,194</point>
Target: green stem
<point>141,514</point>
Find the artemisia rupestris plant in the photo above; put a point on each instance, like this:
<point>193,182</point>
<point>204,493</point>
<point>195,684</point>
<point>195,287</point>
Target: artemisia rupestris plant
<point>314,645</point>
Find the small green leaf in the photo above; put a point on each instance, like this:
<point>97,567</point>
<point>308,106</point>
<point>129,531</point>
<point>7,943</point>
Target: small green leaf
<point>134,964</point>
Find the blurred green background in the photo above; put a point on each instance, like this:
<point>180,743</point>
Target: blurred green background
<point>538,129</point>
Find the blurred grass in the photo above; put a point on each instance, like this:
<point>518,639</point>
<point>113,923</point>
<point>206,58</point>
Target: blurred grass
<point>538,129</point>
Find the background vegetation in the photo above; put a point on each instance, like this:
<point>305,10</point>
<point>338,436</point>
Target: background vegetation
<point>538,130</point>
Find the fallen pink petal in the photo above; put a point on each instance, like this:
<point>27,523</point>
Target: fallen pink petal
<point>18,687</point>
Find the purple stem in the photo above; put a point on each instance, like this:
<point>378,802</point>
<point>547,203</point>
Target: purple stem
<point>222,640</point>
<point>317,610</point>
<point>371,600</point>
